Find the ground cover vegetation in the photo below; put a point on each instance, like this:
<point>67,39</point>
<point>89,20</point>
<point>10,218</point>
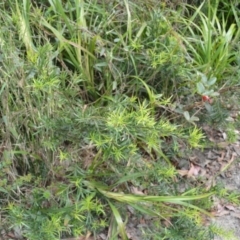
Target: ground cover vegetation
<point>95,99</point>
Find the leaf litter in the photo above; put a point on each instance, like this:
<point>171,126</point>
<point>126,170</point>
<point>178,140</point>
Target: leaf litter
<point>216,164</point>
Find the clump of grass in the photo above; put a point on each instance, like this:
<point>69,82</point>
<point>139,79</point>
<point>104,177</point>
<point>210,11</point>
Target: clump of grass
<point>210,40</point>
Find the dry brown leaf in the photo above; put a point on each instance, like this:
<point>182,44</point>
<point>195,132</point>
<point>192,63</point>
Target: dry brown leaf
<point>203,172</point>
<point>197,170</point>
<point>183,172</point>
<point>10,235</point>
<point>221,213</point>
<point>230,207</point>
<point>193,171</point>
<point>135,190</point>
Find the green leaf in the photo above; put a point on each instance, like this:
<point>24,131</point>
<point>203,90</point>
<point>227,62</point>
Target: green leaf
<point>208,107</point>
<point>114,85</point>
<point>200,88</point>
<point>208,93</point>
<point>211,81</point>
<point>194,119</point>
<point>186,115</point>
<point>204,78</point>
<point>118,218</point>
<point>214,94</point>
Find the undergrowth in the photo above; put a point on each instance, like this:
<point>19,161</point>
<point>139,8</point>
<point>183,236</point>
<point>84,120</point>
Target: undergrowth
<point>93,97</point>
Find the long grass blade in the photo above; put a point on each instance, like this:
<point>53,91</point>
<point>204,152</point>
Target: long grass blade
<point>118,218</point>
